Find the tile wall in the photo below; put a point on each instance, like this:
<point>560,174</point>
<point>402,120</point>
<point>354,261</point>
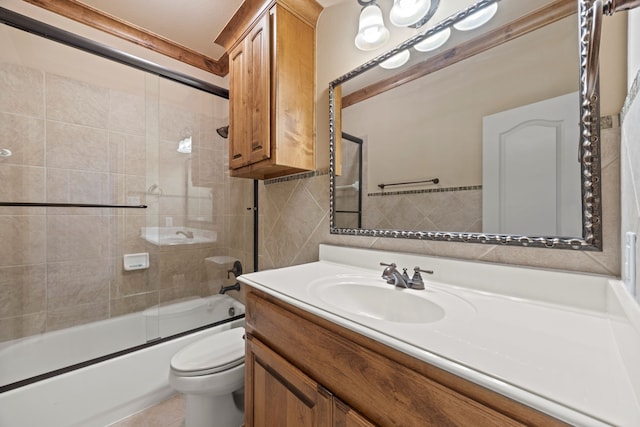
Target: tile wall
<point>420,207</point>
<point>78,141</point>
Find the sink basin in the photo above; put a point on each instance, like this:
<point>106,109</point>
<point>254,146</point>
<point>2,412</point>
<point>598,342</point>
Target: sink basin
<point>390,304</point>
<point>370,298</point>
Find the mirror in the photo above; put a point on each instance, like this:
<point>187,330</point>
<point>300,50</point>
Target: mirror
<point>489,138</point>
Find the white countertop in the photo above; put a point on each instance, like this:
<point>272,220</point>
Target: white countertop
<point>564,360</point>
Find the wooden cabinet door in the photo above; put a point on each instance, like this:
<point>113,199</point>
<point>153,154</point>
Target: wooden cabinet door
<point>344,416</point>
<point>279,395</point>
<point>239,133</point>
<point>249,98</point>
<point>259,90</point>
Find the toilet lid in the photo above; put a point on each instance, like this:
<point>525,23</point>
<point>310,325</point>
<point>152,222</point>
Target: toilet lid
<point>215,353</point>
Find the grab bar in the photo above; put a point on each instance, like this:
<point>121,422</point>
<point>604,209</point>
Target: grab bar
<point>433,180</point>
<point>69,205</point>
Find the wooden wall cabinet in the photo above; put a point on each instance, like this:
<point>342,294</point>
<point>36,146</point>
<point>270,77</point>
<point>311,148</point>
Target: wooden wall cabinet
<point>272,94</point>
<point>302,370</point>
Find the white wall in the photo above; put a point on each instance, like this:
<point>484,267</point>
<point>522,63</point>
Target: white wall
<point>630,149</point>
<point>633,60</point>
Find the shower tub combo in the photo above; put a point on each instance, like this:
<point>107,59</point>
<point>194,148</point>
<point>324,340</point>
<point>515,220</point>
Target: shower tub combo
<point>102,393</point>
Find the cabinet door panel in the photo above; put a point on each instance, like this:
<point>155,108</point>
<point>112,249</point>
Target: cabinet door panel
<point>259,90</point>
<point>239,132</point>
<point>279,395</point>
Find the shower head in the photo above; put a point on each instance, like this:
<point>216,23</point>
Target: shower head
<point>223,131</point>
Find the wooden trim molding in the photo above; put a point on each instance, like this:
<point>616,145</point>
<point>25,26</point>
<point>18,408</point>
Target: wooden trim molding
<point>99,20</point>
<point>250,10</point>
<point>537,19</point>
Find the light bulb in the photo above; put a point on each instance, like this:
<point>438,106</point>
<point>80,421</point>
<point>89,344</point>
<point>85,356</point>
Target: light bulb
<point>397,60</point>
<point>434,41</point>
<point>477,19</point>
<point>371,30</point>
<point>407,12</point>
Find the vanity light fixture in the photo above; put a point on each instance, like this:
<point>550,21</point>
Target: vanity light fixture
<point>406,13</point>
<point>371,30</point>
<point>477,19</point>
<point>397,60</point>
<point>434,41</point>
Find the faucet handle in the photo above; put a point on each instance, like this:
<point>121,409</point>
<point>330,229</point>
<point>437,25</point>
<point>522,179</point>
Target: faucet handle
<point>419,270</point>
<point>236,270</point>
<point>416,281</point>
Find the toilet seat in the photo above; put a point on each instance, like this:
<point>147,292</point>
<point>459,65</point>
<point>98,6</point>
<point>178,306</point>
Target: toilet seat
<point>216,353</point>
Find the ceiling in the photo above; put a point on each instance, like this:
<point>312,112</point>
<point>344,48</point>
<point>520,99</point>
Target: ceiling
<point>194,23</point>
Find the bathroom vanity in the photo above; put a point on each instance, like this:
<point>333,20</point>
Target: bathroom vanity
<point>331,343</point>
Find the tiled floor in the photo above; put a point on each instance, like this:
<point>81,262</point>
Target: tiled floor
<point>169,413</point>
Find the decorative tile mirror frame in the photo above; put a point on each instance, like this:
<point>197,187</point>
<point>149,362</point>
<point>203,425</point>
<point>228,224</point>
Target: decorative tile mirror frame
<point>589,150</point>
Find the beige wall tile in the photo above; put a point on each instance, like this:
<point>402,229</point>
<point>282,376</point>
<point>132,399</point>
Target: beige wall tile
<point>75,238</point>
<point>181,269</point>
<point>77,315</point>
<point>128,154</point>
<point>77,147</point>
<point>22,240</point>
<point>133,303</point>
<point>22,290</point>
<point>76,283</point>
<point>135,189</point>
<point>21,183</point>
<point>22,90</point>
<point>22,326</point>
<point>129,229</point>
<point>24,136</point>
<point>126,113</point>
<point>76,102</point>
<point>71,186</point>
<point>176,123</point>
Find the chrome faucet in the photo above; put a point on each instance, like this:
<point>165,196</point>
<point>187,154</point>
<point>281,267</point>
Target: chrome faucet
<point>394,277</point>
<point>187,234</point>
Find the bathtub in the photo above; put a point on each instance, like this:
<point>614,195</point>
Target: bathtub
<point>105,392</point>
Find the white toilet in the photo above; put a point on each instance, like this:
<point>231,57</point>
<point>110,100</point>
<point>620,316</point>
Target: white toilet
<point>210,375</point>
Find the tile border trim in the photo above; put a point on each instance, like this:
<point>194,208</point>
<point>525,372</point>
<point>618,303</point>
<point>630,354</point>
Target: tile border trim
<point>427,190</point>
<point>295,177</point>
